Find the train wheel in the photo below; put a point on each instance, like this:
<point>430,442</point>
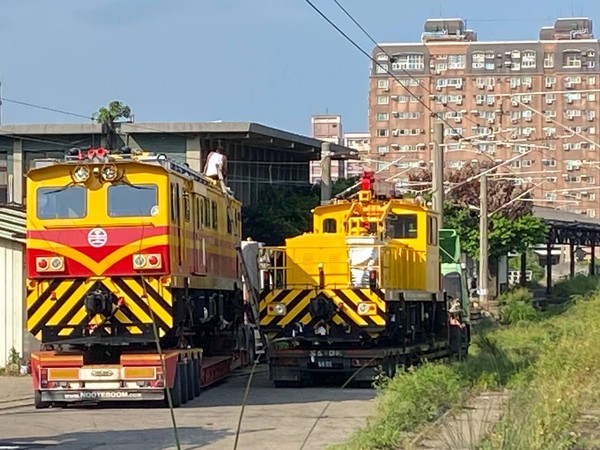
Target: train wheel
<point>175,391</point>
<point>182,368</point>
<point>37,401</point>
<point>196,377</point>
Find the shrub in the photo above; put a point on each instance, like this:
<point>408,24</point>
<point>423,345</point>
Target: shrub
<point>517,306</point>
<point>568,289</point>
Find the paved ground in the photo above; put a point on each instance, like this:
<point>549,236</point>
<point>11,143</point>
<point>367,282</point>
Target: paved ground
<point>273,419</point>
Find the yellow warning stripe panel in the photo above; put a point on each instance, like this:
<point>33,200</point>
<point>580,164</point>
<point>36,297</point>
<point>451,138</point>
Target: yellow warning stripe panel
<point>358,320</point>
<point>353,296</point>
<point>287,300</point>
<point>60,290</point>
<point>135,309</point>
<point>297,310</point>
<point>121,317</point>
<point>71,302</point>
<point>156,308</point>
<point>374,298</point>
<point>37,292</point>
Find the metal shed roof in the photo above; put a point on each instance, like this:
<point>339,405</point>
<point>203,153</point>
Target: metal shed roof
<point>13,223</point>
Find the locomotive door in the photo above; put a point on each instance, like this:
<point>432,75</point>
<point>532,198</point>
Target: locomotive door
<point>198,237</point>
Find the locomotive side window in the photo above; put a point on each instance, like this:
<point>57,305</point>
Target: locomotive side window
<point>215,215</point>
<point>186,206</point>
<point>329,226</point>
<point>401,226</point>
<point>59,203</point>
<point>132,201</point>
<point>432,230</point>
<point>206,209</point>
<point>173,200</point>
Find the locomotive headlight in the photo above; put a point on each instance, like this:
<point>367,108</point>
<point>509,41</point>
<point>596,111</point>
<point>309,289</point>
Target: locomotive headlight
<point>139,261</point>
<point>366,309</point>
<point>109,173</point>
<point>277,309</point>
<point>81,174</point>
<point>56,263</point>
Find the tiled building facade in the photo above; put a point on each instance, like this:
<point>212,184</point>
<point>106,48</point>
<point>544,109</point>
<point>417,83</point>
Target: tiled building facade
<point>500,100</point>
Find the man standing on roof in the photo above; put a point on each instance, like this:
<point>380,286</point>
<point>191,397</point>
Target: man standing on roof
<point>216,162</point>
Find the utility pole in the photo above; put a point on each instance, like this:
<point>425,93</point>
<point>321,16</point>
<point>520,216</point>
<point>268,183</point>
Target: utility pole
<point>483,239</point>
<point>437,174</point>
<point>325,173</point>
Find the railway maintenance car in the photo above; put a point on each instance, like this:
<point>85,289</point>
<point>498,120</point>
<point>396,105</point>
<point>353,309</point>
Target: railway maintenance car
<point>133,279</point>
<point>363,290</point>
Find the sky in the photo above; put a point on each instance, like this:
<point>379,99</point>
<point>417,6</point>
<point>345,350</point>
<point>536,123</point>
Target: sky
<point>274,62</point>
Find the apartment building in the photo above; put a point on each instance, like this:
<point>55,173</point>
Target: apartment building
<point>539,99</point>
<point>328,128</point>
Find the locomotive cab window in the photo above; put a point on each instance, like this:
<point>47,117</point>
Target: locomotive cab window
<point>61,203</point>
<point>401,226</point>
<point>329,226</point>
<point>132,201</point>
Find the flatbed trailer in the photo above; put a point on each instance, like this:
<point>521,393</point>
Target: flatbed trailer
<point>66,377</point>
<point>303,365</point>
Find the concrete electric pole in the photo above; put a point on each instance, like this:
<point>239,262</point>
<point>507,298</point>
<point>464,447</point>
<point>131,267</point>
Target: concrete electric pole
<point>325,173</point>
<point>483,239</point>
<point>437,173</point>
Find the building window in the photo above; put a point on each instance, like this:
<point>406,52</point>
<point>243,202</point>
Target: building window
<point>381,68</point>
<point>381,149</point>
<point>456,62</point>
<point>478,60</point>
<point>529,60</point>
<point>409,62</point>
<point>548,60</point>
<point>572,58</point>
<point>383,84</point>
<point>383,117</point>
<point>382,57</point>
<point>383,100</point>
<point>383,132</point>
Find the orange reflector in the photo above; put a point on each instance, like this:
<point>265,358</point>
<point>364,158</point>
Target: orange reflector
<point>63,374</point>
<point>53,296</point>
<point>139,373</point>
<point>32,284</point>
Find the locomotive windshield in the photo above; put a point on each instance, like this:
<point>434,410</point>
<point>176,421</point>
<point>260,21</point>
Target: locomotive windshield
<point>452,284</point>
<point>401,226</point>
<point>125,200</point>
<point>61,203</point>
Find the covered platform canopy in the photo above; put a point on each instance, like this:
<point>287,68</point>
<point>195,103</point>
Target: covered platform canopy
<point>566,228</point>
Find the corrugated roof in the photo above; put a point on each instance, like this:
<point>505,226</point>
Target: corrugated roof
<point>13,223</point>
<point>553,215</point>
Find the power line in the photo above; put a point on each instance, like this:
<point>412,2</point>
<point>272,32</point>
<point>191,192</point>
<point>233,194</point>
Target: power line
<point>45,108</point>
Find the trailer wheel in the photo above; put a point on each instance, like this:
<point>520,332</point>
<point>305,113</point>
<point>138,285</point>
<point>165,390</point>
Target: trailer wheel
<point>37,401</point>
<point>250,345</point>
<point>175,391</point>
<point>190,378</point>
<point>182,367</point>
<point>196,377</point>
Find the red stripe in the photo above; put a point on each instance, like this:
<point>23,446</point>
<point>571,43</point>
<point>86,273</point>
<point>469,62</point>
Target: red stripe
<point>78,238</point>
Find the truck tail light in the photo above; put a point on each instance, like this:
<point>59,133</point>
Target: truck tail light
<point>50,264</point>
<point>147,261</point>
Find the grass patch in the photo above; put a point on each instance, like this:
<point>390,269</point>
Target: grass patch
<point>549,361</point>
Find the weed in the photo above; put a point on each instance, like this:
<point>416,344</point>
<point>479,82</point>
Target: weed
<point>517,306</point>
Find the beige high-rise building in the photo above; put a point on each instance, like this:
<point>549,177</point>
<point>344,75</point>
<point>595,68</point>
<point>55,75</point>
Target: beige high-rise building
<point>501,100</point>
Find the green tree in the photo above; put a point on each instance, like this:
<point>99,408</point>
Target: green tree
<point>284,211</point>
<point>115,110</point>
<point>512,226</point>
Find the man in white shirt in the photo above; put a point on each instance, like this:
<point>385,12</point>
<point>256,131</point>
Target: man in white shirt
<point>216,160</point>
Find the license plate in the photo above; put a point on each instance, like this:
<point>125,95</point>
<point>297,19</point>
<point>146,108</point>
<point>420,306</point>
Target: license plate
<point>325,364</point>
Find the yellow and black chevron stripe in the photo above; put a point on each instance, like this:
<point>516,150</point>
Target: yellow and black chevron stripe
<point>297,302</point>
<point>60,303</point>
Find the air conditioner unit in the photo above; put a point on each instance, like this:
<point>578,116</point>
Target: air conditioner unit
<point>528,86</point>
<point>549,101</point>
<point>395,114</point>
<point>514,103</point>
<point>491,121</point>
<point>479,101</point>
<point>528,119</point>
<point>458,119</point>
<point>459,101</point>
<point>569,85</point>
<point>514,120</point>
<point>396,133</point>
<point>438,88</point>
<point>548,85</point>
<point>569,100</point>
<point>548,119</point>
<point>481,86</point>
<point>490,87</point>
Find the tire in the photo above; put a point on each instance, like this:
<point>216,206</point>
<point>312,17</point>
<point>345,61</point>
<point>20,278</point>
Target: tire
<point>190,378</point>
<point>196,383</point>
<point>250,346</point>
<point>37,401</point>
<point>182,367</point>
<point>175,391</point>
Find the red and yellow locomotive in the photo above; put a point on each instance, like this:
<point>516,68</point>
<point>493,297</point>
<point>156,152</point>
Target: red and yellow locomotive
<point>126,250</point>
